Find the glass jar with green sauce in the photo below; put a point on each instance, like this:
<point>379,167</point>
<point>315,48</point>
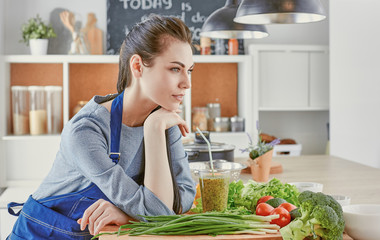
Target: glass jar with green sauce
<point>214,189</point>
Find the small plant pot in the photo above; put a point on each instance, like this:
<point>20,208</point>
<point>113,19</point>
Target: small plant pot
<point>260,167</point>
<point>38,46</point>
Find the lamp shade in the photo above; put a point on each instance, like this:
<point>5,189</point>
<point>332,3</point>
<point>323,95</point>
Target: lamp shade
<point>220,24</point>
<point>279,11</point>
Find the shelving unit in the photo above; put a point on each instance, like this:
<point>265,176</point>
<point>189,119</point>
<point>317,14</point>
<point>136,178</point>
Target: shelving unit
<point>38,152</point>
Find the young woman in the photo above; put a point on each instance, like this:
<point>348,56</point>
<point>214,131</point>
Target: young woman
<point>121,156</point>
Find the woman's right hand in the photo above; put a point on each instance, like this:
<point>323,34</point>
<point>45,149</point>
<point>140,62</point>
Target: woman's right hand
<point>100,214</point>
<point>164,119</point>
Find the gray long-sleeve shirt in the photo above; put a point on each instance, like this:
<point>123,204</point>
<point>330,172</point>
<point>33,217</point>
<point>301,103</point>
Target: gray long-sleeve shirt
<point>83,158</point>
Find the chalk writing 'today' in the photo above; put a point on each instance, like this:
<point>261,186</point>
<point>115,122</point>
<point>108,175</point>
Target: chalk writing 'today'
<point>147,4</point>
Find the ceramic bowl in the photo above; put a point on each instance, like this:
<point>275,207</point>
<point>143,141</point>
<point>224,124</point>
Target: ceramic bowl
<point>362,221</point>
<point>311,186</point>
<point>342,200</point>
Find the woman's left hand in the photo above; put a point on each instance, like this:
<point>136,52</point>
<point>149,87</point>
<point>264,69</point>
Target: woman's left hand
<point>100,214</point>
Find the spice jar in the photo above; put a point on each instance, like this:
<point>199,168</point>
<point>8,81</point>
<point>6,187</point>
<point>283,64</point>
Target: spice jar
<point>200,116</point>
<point>233,47</point>
<point>237,124</point>
<point>221,124</point>
<point>205,46</point>
<point>20,110</point>
<point>37,110</point>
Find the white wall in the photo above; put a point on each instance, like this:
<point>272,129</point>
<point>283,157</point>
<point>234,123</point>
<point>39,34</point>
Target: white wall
<point>355,80</point>
<point>19,11</point>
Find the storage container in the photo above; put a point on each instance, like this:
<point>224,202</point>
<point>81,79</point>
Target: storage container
<point>54,109</point>
<point>20,110</point>
<point>221,124</point>
<point>237,124</point>
<point>37,110</point>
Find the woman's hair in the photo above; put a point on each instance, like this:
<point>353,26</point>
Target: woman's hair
<point>148,39</point>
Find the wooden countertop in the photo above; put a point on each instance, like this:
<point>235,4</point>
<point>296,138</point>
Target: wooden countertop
<point>338,176</point>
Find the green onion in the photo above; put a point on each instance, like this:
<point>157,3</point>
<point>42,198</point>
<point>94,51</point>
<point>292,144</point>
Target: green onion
<point>210,223</point>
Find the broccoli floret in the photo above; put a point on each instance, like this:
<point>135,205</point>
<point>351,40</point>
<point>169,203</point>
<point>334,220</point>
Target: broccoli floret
<point>321,218</point>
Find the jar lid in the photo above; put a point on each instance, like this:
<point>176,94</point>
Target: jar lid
<point>221,119</point>
<point>213,105</point>
<point>36,88</point>
<point>53,88</point>
<point>237,119</point>
<point>19,88</point>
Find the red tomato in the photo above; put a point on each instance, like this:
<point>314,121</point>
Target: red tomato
<point>288,206</point>
<point>284,218</point>
<point>264,209</point>
<point>264,199</point>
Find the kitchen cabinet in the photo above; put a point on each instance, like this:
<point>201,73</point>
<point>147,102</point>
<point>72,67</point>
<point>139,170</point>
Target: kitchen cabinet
<point>81,77</point>
<point>291,77</point>
<point>291,88</point>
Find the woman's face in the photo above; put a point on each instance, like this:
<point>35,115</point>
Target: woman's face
<point>166,80</point>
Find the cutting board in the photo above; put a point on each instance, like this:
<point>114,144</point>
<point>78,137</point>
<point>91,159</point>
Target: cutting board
<point>195,237</point>
<point>94,35</point>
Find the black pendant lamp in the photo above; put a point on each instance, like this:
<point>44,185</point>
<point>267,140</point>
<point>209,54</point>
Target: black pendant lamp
<point>279,11</point>
<point>220,24</point>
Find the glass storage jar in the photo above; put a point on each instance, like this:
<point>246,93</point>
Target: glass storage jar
<point>213,112</point>
<point>237,124</point>
<point>200,116</point>
<point>20,110</point>
<point>54,109</point>
<point>221,124</point>
<point>37,110</point>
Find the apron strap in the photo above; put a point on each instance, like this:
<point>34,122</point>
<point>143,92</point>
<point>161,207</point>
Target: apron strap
<point>115,124</point>
<point>10,208</point>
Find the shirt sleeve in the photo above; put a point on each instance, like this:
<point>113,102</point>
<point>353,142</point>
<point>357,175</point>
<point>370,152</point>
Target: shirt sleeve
<point>88,146</point>
<point>181,169</point>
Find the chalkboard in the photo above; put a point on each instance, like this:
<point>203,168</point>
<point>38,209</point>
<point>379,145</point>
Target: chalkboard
<point>123,14</point>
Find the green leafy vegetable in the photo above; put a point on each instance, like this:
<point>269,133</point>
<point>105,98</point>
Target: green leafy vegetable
<point>253,191</point>
<point>321,217</point>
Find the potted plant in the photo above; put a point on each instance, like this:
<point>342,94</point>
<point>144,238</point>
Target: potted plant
<point>36,34</point>
<point>260,156</point>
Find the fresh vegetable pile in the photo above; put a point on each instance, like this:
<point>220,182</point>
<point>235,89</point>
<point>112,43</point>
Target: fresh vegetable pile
<point>212,223</point>
<point>254,208</point>
<point>321,217</point>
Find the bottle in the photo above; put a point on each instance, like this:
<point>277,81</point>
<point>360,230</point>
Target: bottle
<point>54,109</point>
<point>37,110</point>
<point>205,46</point>
<point>20,110</point>
<point>233,46</point>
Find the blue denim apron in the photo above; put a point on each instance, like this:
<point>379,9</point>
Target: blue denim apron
<point>56,217</point>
